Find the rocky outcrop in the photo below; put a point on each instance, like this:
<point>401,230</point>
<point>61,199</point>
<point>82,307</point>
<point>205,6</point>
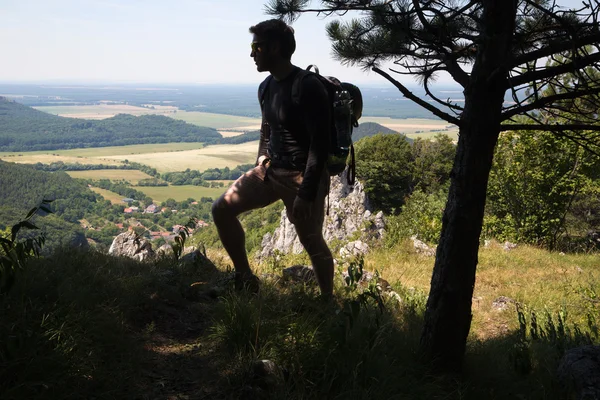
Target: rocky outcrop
<point>349,212</point>
<point>128,244</point>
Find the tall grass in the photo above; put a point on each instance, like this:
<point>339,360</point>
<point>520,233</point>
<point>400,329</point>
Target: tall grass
<point>86,325</point>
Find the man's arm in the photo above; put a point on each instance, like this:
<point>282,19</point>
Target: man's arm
<point>316,110</point>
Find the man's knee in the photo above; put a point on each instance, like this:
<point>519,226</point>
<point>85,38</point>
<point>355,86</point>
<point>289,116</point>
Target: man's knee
<point>220,209</point>
<point>314,243</point>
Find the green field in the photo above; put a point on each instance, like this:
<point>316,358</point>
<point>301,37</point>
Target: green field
<point>179,193</point>
<point>113,197</point>
<point>131,175</point>
<point>218,121</point>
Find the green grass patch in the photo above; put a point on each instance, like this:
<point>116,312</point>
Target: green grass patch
<point>218,121</point>
<point>183,192</point>
<point>130,175</point>
<point>113,197</point>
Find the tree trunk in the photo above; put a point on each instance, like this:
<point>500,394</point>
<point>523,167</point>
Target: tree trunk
<point>448,315</point>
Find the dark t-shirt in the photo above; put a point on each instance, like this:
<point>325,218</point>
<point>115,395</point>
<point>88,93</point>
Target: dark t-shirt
<point>298,130</point>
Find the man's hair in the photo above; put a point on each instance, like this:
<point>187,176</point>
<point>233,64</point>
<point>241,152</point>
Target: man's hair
<point>275,30</point>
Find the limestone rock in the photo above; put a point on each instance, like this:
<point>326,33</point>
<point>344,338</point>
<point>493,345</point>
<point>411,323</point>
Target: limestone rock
<point>349,212</point>
<point>579,372</point>
<point>502,303</point>
<point>353,249</point>
<point>422,247</point>
<point>128,244</point>
<point>509,246</point>
<point>367,277</point>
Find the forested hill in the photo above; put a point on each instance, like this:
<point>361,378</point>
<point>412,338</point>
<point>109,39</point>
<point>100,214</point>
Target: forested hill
<point>366,129</point>
<point>23,128</point>
<point>23,187</point>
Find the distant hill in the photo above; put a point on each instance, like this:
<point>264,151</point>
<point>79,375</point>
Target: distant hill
<point>370,129</point>
<point>23,128</point>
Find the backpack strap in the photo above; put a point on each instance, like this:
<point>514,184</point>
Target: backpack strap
<point>352,167</point>
<point>262,90</point>
<point>297,85</point>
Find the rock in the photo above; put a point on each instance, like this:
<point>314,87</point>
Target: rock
<point>354,249</point>
<point>393,295</point>
<point>367,277</point>
<point>299,273</point>
<point>502,303</point>
<point>579,372</point>
<point>423,248</point>
<point>128,244</point>
<point>267,372</point>
<point>349,212</point>
<point>509,246</point>
<point>164,251</point>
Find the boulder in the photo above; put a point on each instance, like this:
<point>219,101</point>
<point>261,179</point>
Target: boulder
<point>422,247</point>
<point>579,372</point>
<point>128,244</point>
<point>349,212</point>
<point>502,303</point>
<point>353,249</point>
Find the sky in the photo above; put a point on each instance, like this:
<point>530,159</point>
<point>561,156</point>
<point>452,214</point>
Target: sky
<point>151,41</point>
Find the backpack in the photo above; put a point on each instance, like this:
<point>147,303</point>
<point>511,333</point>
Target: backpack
<point>346,108</point>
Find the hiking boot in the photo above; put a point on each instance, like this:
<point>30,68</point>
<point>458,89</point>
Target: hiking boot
<point>247,281</point>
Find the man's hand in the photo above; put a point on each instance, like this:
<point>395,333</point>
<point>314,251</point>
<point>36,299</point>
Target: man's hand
<point>263,160</point>
<point>302,209</point>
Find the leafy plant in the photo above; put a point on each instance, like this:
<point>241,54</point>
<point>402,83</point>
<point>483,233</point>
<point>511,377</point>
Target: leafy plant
<point>15,253</point>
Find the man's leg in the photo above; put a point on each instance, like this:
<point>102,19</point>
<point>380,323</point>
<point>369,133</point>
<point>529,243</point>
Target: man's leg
<point>249,192</point>
<point>310,231</point>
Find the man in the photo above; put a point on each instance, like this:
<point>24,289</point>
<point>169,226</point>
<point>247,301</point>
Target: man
<point>291,158</point>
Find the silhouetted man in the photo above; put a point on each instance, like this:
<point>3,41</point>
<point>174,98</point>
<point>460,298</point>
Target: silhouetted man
<point>291,158</point>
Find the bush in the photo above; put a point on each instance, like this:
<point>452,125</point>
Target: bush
<point>420,216</point>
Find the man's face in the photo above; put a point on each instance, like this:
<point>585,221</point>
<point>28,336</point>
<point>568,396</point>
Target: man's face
<point>261,53</point>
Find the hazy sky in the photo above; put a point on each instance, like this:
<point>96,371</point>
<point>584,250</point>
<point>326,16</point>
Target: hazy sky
<point>150,41</point>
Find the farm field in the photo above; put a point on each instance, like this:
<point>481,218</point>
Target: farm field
<point>416,127</point>
<point>218,121</point>
<point>114,198</point>
<point>102,111</point>
<point>132,176</point>
<point>94,155</point>
<point>179,193</point>
<point>218,156</point>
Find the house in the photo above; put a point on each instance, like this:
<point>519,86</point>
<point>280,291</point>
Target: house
<point>128,210</point>
<point>152,209</point>
<point>135,209</point>
<point>127,200</point>
<point>194,203</point>
<point>201,224</point>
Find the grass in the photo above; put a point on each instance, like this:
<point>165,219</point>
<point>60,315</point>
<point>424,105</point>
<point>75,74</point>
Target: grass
<point>218,156</point>
<point>101,111</point>
<point>179,193</point>
<point>218,121</point>
<point>122,329</point>
<point>94,152</point>
<point>113,197</point>
<point>133,176</point>
<point>167,157</point>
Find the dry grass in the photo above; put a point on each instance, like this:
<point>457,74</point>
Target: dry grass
<point>416,127</point>
<point>113,197</point>
<point>218,156</point>
<point>102,111</point>
<point>131,175</point>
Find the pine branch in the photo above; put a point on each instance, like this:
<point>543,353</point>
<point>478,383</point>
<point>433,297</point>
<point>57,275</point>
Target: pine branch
<point>550,72</point>
<point>539,103</point>
<point>408,94</point>
<point>549,127</point>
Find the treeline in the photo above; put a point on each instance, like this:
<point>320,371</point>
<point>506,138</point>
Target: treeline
<point>23,128</point>
<point>121,188</point>
<point>62,166</point>
<point>195,177</point>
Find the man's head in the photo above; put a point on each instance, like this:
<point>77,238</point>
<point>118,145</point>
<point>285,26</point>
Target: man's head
<point>272,43</point>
